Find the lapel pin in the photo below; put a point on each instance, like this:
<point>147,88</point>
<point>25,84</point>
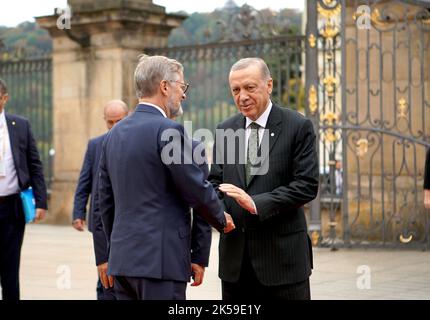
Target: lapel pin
<point>272,134</point>
<point>13,123</point>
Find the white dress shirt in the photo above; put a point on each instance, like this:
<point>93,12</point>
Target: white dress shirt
<point>8,183</point>
<point>262,122</point>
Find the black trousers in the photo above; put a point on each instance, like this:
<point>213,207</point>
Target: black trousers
<point>104,294</point>
<point>12,225</point>
<point>133,288</point>
<point>249,287</point>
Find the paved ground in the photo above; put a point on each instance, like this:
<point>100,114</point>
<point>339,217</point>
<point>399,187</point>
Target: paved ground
<point>58,263</point>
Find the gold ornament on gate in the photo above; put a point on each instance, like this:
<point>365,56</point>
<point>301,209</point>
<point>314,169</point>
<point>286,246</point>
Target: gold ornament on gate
<point>330,84</point>
<point>330,119</point>
<point>403,109</point>
<point>328,13</point>
<point>313,100</point>
<point>312,40</point>
<point>405,240</point>
<point>329,31</point>
<point>362,147</point>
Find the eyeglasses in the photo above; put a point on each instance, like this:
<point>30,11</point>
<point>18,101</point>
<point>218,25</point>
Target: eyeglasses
<point>184,86</point>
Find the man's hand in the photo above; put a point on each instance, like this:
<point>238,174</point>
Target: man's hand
<point>78,224</point>
<point>40,215</point>
<point>241,197</point>
<point>198,273</point>
<point>107,281</point>
<point>230,223</point>
<point>427,198</point>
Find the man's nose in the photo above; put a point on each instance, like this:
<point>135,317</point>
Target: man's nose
<point>184,96</point>
<point>243,97</point>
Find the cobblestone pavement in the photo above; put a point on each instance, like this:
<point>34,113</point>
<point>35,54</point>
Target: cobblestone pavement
<point>58,263</point>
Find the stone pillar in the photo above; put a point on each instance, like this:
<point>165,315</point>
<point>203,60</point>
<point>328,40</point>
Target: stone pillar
<point>93,62</point>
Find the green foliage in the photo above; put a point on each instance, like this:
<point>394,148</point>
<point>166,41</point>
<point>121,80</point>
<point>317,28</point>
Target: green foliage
<point>27,37</point>
<point>204,27</point>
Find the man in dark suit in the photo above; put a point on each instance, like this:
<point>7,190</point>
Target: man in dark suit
<point>114,111</point>
<point>148,181</point>
<point>20,168</point>
<point>427,181</point>
<point>274,173</point>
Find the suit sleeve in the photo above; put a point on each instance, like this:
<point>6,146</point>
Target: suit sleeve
<point>83,189</point>
<point>35,167</point>
<point>304,185</point>
<point>190,181</point>
<point>216,172</point>
<point>106,201</point>
<point>201,233</point>
<point>427,171</point>
<point>99,239</point>
<point>99,236</point>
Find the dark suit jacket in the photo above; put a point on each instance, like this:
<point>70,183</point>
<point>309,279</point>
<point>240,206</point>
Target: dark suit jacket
<point>427,171</point>
<point>28,166</point>
<point>279,247</point>
<point>201,231</point>
<point>144,203</point>
<point>88,188</point>
<point>87,184</point>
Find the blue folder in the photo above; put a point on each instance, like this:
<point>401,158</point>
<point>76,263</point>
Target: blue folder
<point>28,204</point>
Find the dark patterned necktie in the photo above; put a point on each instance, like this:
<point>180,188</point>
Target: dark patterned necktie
<point>251,157</point>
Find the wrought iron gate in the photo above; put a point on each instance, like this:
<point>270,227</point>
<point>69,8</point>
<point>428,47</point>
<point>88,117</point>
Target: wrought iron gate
<point>29,81</point>
<point>207,66</point>
<point>368,89</point>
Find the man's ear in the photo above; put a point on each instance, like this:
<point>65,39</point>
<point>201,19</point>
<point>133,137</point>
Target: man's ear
<point>270,86</point>
<point>163,87</point>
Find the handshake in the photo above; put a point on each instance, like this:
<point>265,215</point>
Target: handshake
<point>229,226</point>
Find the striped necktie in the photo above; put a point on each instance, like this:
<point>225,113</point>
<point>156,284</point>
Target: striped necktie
<point>251,158</point>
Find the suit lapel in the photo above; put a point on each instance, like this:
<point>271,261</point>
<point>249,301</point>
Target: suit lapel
<point>240,124</point>
<point>14,138</point>
<point>274,130</point>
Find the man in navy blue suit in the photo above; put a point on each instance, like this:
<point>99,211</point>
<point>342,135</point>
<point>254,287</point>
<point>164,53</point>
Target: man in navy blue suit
<point>145,195</point>
<point>20,168</point>
<point>114,111</point>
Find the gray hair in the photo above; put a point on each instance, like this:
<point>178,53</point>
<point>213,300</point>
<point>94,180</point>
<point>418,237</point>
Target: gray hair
<point>151,70</point>
<point>3,87</point>
<point>247,62</point>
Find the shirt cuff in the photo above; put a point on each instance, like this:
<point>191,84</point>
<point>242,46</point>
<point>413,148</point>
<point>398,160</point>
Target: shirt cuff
<point>255,208</point>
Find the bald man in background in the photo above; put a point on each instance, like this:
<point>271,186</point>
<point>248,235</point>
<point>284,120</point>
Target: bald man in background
<point>114,111</point>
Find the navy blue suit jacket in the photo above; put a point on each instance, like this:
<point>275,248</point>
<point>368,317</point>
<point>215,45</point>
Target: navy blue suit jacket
<point>201,234</point>
<point>87,188</point>
<point>145,203</point>
<point>26,158</point>
<point>201,231</point>
<point>87,184</point>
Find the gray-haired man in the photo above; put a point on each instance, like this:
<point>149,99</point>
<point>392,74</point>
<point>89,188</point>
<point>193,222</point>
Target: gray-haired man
<point>144,199</point>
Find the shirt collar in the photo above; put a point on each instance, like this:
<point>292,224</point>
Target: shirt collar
<point>262,120</point>
<point>155,106</point>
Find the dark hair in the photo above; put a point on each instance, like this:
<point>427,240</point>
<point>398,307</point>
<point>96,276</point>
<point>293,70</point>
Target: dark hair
<point>3,87</point>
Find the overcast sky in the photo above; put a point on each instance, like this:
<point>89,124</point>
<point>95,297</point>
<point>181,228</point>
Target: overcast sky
<point>13,12</point>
